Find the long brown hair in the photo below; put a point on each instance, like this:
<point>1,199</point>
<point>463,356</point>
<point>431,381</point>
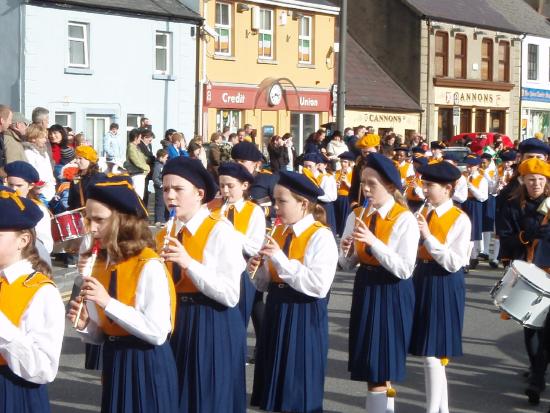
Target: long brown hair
<point>313,208</point>
<point>128,236</point>
<point>520,193</point>
<point>30,253</point>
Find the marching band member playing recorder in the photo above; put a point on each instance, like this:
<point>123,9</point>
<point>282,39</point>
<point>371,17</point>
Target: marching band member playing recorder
<point>385,243</point>
<point>439,281</point>
<point>130,304</point>
<point>298,270</point>
<point>205,259</point>
<point>31,311</point>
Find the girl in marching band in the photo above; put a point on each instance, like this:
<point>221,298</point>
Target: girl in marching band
<point>343,180</point>
<point>129,304</point>
<point>478,191</point>
<point>413,189</point>
<point>384,242</point>
<point>299,266</point>
<point>205,259</point>
<point>31,311</point>
<point>439,281</point>
<point>490,173</point>
<point>248,220</point>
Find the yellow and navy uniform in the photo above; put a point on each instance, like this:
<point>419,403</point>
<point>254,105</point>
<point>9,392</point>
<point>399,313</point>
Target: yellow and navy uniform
<point>439,228</point>
<point>344,183</point>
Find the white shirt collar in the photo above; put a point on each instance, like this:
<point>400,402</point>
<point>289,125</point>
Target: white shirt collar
<point>16,270</point>
<point>384,210</point>
<point>302,224</point>
<point>444,207</point>
<point>239,205</point>
<point>194,223</point>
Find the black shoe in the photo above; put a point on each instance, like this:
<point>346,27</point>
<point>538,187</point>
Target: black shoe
<point>466,269</point>
<point>533,394</point>
<point>493,264</point>
<point>483,256</point>
<point>473,264</point>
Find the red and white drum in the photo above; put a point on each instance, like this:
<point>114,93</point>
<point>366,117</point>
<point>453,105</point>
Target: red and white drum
<point>68,225</point>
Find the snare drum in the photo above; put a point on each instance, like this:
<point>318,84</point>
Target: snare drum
<point>68,225</point>
<point>524,294</point>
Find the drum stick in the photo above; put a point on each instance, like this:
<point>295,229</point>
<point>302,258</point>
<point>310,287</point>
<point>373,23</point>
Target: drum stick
<point>95,251</point>
<point>365,206</point>
<point>275,224</point>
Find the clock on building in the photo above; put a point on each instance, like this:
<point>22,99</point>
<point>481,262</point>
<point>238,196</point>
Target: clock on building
<point>275,94</point>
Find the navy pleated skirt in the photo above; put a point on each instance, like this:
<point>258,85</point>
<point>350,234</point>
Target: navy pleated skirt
<point>330,217</point>
<point>138,377</point>
<point>246,299</point>
<point>21,396</point>
<point>438,312</point>
<point>341,212</point>
<point>489,213</point>
<point>474,210</point>
<point>289,374</point>
<point>209,344</point>
<point>92,359</point>
<point>380,325</point>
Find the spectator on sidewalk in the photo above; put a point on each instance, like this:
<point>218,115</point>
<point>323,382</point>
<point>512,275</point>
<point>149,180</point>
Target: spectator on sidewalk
<point>14,138</point>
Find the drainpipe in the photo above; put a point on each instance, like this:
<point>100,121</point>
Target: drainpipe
<point>428,111</point>
<point>21,86</point>
<point>521,84</point>
<point>341,103</point>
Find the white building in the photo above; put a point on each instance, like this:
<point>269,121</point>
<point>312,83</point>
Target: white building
<point>535,91</point>
<point>93,62</point>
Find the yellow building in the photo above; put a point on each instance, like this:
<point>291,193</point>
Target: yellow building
<point>268,63</point>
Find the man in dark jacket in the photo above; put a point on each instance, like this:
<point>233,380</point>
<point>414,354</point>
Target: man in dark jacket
<point>5,121</point>
<point>147,149</point>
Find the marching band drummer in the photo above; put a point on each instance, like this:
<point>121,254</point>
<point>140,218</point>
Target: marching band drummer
<point>473,206</point>
<point>525,235</point>
<point>384,242</point>
<point>439,281</point>
<point>206,263</point>
<point>248,220</point>
<point>343,182</point>
<point>298,271</point>
<point>31,311</point>
<point>22,177</point>
<point>130,304</point>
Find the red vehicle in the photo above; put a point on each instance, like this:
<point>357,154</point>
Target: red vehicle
<point>479,140</point>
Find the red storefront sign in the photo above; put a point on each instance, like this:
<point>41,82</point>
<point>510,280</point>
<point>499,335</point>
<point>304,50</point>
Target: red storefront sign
<point>238,97</point>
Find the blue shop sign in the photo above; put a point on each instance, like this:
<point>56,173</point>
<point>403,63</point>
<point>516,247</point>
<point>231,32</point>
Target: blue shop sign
<point>535,95</point>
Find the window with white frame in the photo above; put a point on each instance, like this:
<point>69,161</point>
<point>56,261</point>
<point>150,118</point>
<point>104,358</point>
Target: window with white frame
<point>78,34</point>
<point>132,121</point>
<point>223,28</point>
<point>65,119</point>
<point>265,34</point>
<point>305,40</point>
<point>163,55</point>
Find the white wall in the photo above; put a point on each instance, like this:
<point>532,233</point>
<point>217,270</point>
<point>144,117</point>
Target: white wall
<point>122,64</point>
<point>543,81</point>
<point>9,53</point>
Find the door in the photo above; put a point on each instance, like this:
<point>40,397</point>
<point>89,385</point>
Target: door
<point>96,128</point>
<point>445,127</point>
<point>301,126</point>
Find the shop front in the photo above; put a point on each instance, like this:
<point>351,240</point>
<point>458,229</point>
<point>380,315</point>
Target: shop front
<point>275,106</point>
<point>400,123</point>
<point>470,110</point>
<point>535,112</point>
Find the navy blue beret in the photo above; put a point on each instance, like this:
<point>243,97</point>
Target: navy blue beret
<point>437,145</point>
<point>118,193</point>
<point>246,151</point>
<point>534,145</point>
<point>300,184</point>
<point>452,156</point>
<point>420,160</point>
<point>440,172</point>
<point>418,149</point>
<point>235,170</point>
<point>194,171</point>
<point>385,167</point>
<point>23,170</point>
<point>487,156</point>
<point>402,148</point>
<point>472,160</point>
<point>17,213</point>
<point>347,156</point>
<point>314,157</point>
<point>510,155</point>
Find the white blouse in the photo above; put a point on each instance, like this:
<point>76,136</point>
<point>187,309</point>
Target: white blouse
<point>254,237</point>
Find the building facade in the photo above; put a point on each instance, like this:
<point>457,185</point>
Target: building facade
<point>269,64</point>
<point>91,63</point>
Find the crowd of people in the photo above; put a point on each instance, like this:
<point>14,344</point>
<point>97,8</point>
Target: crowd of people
<point>243,235</point>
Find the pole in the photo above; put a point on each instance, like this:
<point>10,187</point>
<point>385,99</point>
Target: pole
<point>341,104</point>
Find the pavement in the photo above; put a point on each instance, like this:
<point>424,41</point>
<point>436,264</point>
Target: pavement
<point>486,379</point>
